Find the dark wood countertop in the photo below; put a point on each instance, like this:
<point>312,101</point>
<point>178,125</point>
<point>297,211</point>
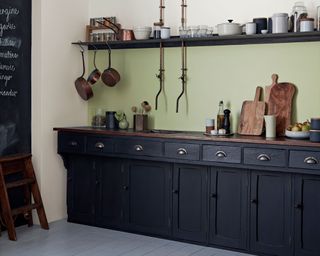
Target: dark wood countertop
<point>189,135</point>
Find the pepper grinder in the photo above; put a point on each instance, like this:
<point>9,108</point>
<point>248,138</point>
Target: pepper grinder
<point>226,121</point>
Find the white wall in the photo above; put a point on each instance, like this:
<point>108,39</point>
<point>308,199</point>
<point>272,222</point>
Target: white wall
<point>207,12</point>
<point>55,65</point>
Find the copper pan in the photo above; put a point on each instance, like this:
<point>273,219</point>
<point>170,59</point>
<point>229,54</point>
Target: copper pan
<point>83,87</point>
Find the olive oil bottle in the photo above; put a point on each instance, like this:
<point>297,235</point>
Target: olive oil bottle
<point>220,116</point>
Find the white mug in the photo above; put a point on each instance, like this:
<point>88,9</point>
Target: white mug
<point>251,28</point>
<point>165,33</point>
<point>270,121</point>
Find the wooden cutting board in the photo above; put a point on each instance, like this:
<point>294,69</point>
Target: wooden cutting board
<point>279,103</point>
<point>267,89</point>
<point>251,117</point>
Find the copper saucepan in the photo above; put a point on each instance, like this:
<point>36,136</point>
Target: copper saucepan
<point>95,74</point>
<point>83,87</point>
<point>110,76</point>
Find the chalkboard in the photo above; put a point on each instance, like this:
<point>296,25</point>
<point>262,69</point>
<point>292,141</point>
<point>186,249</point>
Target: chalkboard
<point>15,76</point>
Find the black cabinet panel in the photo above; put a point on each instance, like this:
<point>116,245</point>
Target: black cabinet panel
<point>99,145</point>
<point>149,197</point>
<point>265,157</point>
<point>222,154</point>
<point>71,143</point>
<point>110,196</point>
<point>304,159</point>
<point>190,203</point>
<point>228,207</point>
<point>186,151</point>
<point>307,215</point>
<point>271,213</point>
<point>139,147</point>
<point>81,190</point>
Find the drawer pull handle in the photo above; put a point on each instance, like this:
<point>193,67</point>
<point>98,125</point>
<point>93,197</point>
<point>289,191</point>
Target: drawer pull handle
<point>311,160</point>
<point>263,157</point>
<point>99,145</point>
<point>182,151</point>
<point>73,143</point>
<point>138,148</point>
<point>221,154</point>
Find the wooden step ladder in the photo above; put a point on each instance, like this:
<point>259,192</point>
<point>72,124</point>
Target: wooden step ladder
<point>20,164</point>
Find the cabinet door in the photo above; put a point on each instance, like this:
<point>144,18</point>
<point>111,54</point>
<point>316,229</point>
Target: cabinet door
<point>149,197</point>
<point>228,207</point>
<point>110,194</point>
<point>271,215</point>
<point>190,202</point>
<point>81,190</point>
<point>307,215</point>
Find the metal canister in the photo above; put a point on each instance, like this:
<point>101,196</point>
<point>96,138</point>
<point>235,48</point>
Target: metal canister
<point>306,25</point>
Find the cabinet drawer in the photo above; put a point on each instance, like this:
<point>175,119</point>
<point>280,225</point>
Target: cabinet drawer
<point>304,159</point>
<point>71,143</point>
<point>99,145</point>
<point>139,147</point>
<point>182,151</point>
<point>221,154</point>
<point>265,157</point>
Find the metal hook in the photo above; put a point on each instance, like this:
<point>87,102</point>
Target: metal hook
<point>80,45</point>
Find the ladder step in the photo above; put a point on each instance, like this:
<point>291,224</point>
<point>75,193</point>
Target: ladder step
<point>20,183</point>
<point>24,209</point>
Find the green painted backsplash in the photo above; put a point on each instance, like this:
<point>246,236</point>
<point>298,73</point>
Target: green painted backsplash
<point>228,73</point>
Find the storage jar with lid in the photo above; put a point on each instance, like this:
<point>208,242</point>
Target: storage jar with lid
<point>306,25</point>
<point>280,23</point>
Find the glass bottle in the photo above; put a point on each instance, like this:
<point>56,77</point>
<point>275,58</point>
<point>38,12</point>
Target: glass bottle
<point>220,116</point>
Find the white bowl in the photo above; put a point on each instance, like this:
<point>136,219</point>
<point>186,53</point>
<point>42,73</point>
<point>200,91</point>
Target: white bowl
<point>264,31</point>
<point>297,135</point>
<point>142,33</point>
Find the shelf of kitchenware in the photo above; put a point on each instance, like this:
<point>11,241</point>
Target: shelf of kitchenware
<point>214,40</point>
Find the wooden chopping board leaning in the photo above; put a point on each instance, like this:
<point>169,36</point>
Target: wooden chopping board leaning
<point>279,98</point>
<point>251,117</point>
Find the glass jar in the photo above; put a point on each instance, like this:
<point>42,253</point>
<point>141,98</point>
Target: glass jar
<point>99,119</point>
<point>193,31</point>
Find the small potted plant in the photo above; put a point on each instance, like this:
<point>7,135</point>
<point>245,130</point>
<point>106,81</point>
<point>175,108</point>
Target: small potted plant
<point>121,117</point>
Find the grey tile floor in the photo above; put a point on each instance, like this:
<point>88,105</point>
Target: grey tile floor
<point>68,239</point>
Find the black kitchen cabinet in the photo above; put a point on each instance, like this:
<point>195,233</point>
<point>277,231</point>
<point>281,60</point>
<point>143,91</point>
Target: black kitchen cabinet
<point>221,193</point>
<point>148,197</point>
<point>81,187</point>
<point>190,202</point>
<point>228,207</point>
<point>271,213</point>
<point>307,215</point>
<point>110,192</point>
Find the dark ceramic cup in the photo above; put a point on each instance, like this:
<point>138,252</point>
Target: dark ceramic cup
<point>111,121</point>
<point>315,123</point>
<point>315,135</point>
<point>262,23</point>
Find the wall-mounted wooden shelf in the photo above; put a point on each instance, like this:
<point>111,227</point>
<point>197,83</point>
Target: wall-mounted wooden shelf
<point>209,41</point>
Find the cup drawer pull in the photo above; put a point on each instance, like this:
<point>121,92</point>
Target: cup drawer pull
<point>263,157</point>
<point>99,145</point>
<point>138,148</point>
<point>311,160</point>
<point>221,154</point>
<point>182,151</point>
<point>73,143</point>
